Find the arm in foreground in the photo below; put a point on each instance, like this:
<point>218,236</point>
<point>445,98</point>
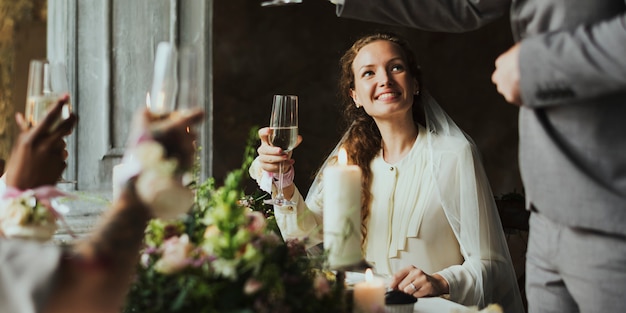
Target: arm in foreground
<point>38,156</point>
<point>96,273</point>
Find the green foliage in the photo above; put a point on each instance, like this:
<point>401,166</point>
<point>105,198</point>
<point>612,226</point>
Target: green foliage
<point>233,261</point>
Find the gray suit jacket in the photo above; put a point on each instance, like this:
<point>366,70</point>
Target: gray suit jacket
<point>573,83</point>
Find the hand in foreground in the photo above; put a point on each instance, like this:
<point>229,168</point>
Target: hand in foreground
<point>507,75</point>
<point>415,282</point>
<point>175,133</point>
<point>38,156</point>
<point>270,157</point>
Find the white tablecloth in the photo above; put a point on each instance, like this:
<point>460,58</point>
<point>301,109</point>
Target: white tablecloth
<point>423,305</point>
<point>438,305</point>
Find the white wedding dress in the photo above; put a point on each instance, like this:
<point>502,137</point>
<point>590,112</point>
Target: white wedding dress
<point>433,209</point>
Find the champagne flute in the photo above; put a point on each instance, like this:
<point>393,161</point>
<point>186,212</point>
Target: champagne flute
<point>283,134</point>
<point>47,82</point>
<point>273,3</point>
<point>164,82</point>
<point>190,91</point>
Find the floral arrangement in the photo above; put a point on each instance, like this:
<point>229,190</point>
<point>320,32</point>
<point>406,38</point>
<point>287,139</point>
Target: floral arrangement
<point>226,256</point>
<point>30,214</point>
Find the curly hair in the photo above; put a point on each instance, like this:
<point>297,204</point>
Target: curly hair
<point>364,141</point>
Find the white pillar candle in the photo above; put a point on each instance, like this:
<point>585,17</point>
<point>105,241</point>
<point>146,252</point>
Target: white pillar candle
<point>342,213</point>
<point>369,295</point>
<point>118,173</point>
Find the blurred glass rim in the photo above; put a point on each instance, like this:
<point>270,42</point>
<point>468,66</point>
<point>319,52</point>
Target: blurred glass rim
<point>47,76</point>
<point>276,3</point>
<point>176,79</point>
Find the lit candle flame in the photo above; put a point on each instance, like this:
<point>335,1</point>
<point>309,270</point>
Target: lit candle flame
<point>159,105</point>
<point>369,276</point>
<point>342,158</point>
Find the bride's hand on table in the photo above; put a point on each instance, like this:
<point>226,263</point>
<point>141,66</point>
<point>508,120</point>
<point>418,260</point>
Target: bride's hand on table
<point>270,157</point>
<point>417,283</point>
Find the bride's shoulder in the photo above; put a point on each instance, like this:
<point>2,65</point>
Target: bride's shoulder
<point>448,143</point>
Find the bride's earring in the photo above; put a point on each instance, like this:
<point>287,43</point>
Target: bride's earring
<point>417,92</point>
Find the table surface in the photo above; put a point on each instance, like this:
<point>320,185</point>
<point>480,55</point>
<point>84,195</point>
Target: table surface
<point>423,305</point>
<point>438,305</point>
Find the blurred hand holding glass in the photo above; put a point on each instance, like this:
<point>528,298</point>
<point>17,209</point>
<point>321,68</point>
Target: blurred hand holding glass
<point>47,84</point>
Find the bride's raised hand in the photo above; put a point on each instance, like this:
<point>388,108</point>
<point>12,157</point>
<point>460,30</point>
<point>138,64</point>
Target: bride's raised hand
<point>270,157</point>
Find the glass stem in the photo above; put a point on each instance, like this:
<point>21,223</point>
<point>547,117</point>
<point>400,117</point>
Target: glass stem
<point>280,195</point>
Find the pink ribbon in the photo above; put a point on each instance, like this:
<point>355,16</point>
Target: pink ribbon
<point>44,195</point>
<point>267,178</point>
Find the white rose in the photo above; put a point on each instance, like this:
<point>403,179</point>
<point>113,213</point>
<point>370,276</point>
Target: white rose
<point>15,215</point>
<point>14,212</point>
<point>168,198</point>
<point>148,153</point>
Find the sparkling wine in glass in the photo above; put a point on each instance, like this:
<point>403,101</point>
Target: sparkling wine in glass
<point>47,82</point>
<point>283,134</point>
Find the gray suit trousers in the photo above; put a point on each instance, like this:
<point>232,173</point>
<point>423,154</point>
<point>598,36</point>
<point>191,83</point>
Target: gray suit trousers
<point>573,269</point>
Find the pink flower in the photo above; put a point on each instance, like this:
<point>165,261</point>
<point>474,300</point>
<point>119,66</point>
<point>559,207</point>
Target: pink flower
<point>321,286</point>
<point>256,222</point>
<point>175,253</point>
<point>252,286</point>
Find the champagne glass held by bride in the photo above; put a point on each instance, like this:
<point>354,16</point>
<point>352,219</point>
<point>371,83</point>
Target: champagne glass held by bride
<point>283,134</point>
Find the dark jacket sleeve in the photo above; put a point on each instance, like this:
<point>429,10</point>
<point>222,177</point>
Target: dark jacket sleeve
<point>432,15</point>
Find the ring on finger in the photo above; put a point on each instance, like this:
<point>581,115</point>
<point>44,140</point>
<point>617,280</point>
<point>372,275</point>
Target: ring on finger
<point>413,286</point>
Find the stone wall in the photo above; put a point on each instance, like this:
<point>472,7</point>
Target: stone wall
<point>295,49</point>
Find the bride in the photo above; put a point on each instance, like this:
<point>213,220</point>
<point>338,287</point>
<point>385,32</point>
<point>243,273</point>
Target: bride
<point>428,214</point>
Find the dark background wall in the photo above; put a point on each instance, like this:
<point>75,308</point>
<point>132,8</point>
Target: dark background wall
<point>295,49</point>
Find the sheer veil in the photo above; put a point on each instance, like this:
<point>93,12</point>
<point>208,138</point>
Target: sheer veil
<point>469,206</point>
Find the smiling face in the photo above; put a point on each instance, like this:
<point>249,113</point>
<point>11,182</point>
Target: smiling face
<point>383,84</point>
